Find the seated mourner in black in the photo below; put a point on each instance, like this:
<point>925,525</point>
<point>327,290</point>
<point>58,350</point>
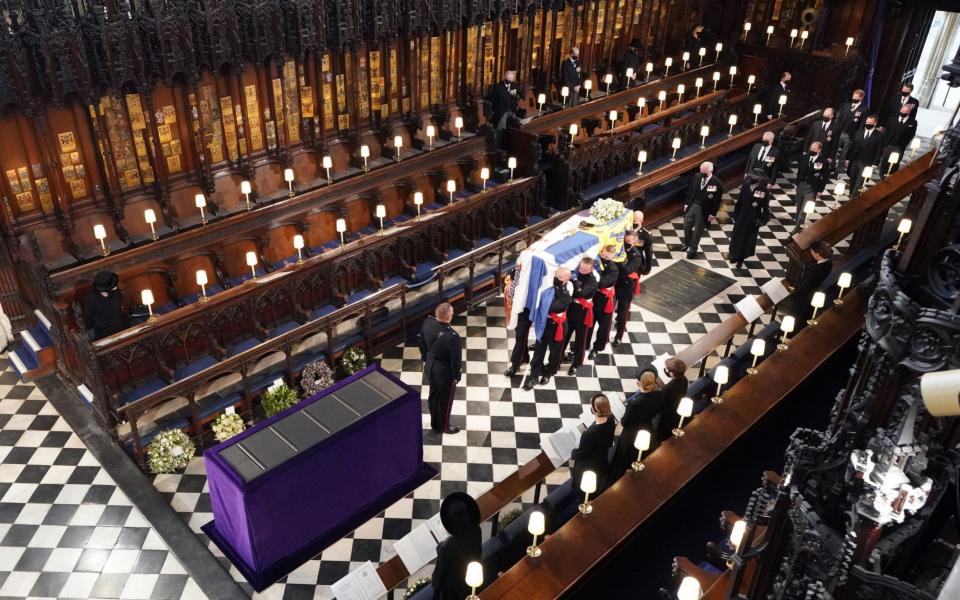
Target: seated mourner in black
<point>102,310</point>
<point>641,409</point>
<point>460,516</point>
<point>593,452</point>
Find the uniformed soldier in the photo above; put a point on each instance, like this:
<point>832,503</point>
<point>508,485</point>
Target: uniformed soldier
<point>441,350</point>
<point>549,327</point>
<point>603,301</point>
<point>628,283</point>
<point>580,313</point>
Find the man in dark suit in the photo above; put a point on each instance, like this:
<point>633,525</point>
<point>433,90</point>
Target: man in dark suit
<point>763,157</point>
<point>503,100</point>
<point>571,76</point>
<point>864,150</point>
<point>441,350</point>
<point>827,132</point>
<point>812,170</point>
<point>905,98</point>
<point>580,314</point>
<point>644,242</point>
<point>628,283</point>
<point>604,300</point>
<point>550,329</point>
<point>798,303</point>
<point>781,88</point>
<point>700,207</point>
<point>896,137</point>
<point>850,118</point>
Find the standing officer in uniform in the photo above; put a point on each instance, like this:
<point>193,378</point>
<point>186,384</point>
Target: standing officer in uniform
<point>441,350</point>
<point>550,330</point>
<point>850,118</point>
<point>700,208</point>
<point>812,173</point>
<point>827,132</point>
<point>580,313</point>
<point>628,283</point>
<point>571,76</point>
<point>603,301</point>
<point>503,101</point>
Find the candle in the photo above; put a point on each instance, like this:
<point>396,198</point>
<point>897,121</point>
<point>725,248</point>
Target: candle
<point>458,123</point>
<point>512,164</point>
<point>484,176</point>
<point>327,165</point>
<point>288,177</point>
<point>769,33</point>
<point>451,188</point>
<point>151,217</point>
<point>431,133</point>
<point>246,189</point>
<point>752,79</point>
<point>698,83</point>
<point>100,233</point>
<point>298,244</point>
<point>704,132</point>
<point>201,202</point>
<point>146,297</point>
<point>667,63</point>
<point>252,263</point>
<point>418,201</point>
<point>342,229</point>
<point>202,282</point>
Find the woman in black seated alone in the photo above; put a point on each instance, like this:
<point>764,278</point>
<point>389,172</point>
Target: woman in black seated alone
<point>460,516</point>
<point>642,407</point>
<point>593,452</point>
<point>102,311</point>
<point>676,388</point>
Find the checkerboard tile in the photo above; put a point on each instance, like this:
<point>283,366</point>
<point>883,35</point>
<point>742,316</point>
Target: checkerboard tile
<point>66,529</point>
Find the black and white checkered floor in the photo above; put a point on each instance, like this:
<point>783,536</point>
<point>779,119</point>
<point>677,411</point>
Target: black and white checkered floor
<point>67,531</point>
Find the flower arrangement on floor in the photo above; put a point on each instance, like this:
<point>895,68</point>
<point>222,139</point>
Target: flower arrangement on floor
<point>607,209</point>
<point>277,400</point>
<point>353,360</point>
<point>317,376</point>
<point>509,517</point>
<point>415,587</point>
<point>226,426</point>
<point>170,451</point>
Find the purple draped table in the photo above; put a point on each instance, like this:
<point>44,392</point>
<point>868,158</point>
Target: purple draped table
<point>294,484</point>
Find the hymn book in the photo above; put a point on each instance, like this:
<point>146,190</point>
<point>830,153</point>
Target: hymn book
<point>362,583</point>
<point>417,548</point>
<point>560,445</point>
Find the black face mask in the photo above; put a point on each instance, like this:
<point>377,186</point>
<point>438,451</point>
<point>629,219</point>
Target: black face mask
<point>855,100</point>
<point>704,175</point>
<point>765,142</point>
<point>869,127</point>
<point>826,119</point>
<point>557,282</point>
<point>902,93</point>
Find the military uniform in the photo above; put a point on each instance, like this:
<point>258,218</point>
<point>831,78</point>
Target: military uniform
<point>811,179</point>
<point>580,318</point>
<point>627,286</point>
<point>441,350</point>
<point>550,329</point>
<point>603,304</point>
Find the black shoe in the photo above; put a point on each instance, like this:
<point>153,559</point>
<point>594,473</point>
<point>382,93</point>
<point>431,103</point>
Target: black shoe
<point>572,372</point>
<point>615,344</point>
<point>544,380</point>
<point>691,255</point>
<point>452,430</point>
<point>592,355</point>
<point>528,385</point>
<point>684,247</point>
<point>531,348</point>
<point>568,357</point>
<point>510,372</point>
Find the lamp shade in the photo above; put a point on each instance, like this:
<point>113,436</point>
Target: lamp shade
<point>681,89</point>
<point>642,441</point>
<point>702,51</point>
<point>642,156</point>
<point>398,141</point>
<point>511,163</point>
<point>718,47</point>
<point>689,589</point>
<point>705,131</point>
<point>364,151</point>
<point>757,109</point>
<point>868,172</point>
<point>288,175</point>
<point>810,207</point>
<point>574,129</point>
<point>200,200</point>
<point>149,216</point>
<point>629,72</point>
<point>542,99</point>
<point>788,324</point>
<point>758,347</point>
<point>804,34</point>
<point>451,185</point>
<point>732,120</point>
<point>769,29</point>
<point>793,33</point>
<point>146,296</point>
<point>99,232</point>
<point>685,56</point>
<point>418,198</point>
<point>721,374</point>
<point>564,91</point>
<point>202,277</point>
<point>844,280</point>
<point>245,187</point>
<point>849,41</point>
<point>904,226</point>
<point>431,131</point>
<point>342,225</point>
<point>484,173</point>
<point>474,577</point>
<point>894,158</point>
<point>698,82</point>
<point>716,76</point>
<point>537,523</point>
<point>588,84</point>
<point>840,188</point>
<point>381,211</point>
<point>747,26</point>
<point>649,67</point>
<point>736,534</point>
<point>588,483</point>
<point>675,144</point>
<point>608,78</point>
<point>818,300</point>
<point>251,259</point>
<point>298,242</point>
<point>733,70</point>
<point>641,102</point>
<point>751,79</point>
<point>662,95</point>
<point>782,100</point>
<point>915,143</point>
<point>327,162</point>
<point>613,115</point>
<point>458,122</point>
<point>685,407</point>
<point>668,62</point>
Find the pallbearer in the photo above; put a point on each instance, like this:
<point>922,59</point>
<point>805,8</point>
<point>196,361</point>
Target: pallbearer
<point>603,301</point>
<point>550,329</point>
<point>628,283</point>
<point>580,313</point>
<point>441,350</point>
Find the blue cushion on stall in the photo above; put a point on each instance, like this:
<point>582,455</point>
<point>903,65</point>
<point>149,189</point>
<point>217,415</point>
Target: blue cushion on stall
<point>144,389</point>
<point>195,366</point>
<point>283,328</point>
<point>242,346</point>
<point>320,311</point>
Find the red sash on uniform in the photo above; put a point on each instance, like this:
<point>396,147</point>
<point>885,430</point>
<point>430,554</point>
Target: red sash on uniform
<point>608,292</point>
<point>636,282</point>
<point>588,309</point>
<point>559,319</point>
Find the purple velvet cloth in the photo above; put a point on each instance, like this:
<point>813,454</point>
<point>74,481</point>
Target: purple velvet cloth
<point>310,497</point>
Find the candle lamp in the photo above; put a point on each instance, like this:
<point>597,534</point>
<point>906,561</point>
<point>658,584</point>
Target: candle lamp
<point>675,144</point>
<point>769,33</point>
<point>608,79</point>
<point>327,165</point>
<point>733,74</point>
<point>732,121</point>
<point>202,281</point>
<point>458,123</point>
<point>817,302</point>
<point>588,85</point>
<point>642,444</point>
<point>808,211</point>
<point>649,69</point>
<point>867,176</point>
<point>701,53</point>
<point>685,57</point>
<point>398,145</point>
<point>689,589</point>
<point>612,117</point>
<point>893,160</point>
<point>848,44</point>
<point>838,191</point>
<point>793,37</point>
<point>704,132</point>
<point>720,376</point>
<point>200,201</point>
<point>564,92</point>
<point>298,244</point>
<point>746,29</point>
<point>641,103</point>
<point>451,188</point>
<point>751,79</point>
<point>146,297</point>
<point>736,538</point>
<point>535,526</point>
<point>365,155</point>
<point>716,79</point>
<point>787,325</point>
<point>914,146</point>
<point>757,108</point>
<point>511,164</point>
<point>667,63</point>
<point>252,263</point>
<point>588,485</point>
<point>782,100</point>
<point>680,90</point>
<point>843,282</point>
<point>629,76</point>
<point>100,233</point>
<point>151,217</point>
<point>719,49</point>
<point>246,189</point>
<point>574,129</point>
<point>484,176</point>
<point>698,83</point>
<point>342,229</point>
<point>662,97</point>
<point>903,228</point>
<point>756,349</point>
<point>474,579</point>
<point>684,409</point>
<point>803,37</point>
<point>381,213</point>
<point>541,100</point>
<point>431,133</point>
<point>641,158</point>
<point>418,201</point>
<point>288,176</point>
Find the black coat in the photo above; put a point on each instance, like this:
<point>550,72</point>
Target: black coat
<point>570,74</point>
<point>708,197</point>
<point>634,60</point>
<point>453,555</point>
<point>851,119</point>
<point>767,166</point>
<point>645,244</point>
<point>105,316</point>
<point>798,303</point>
<point>865,151</point>
<point>897,102</point>
<point>442,351</point>
<point>813,171</point>
<point>754,211</point>
<point>609,272</point>
<point>593,452</point>
<point>633,263</point>
<point>828,134</point>
<point>899,134</point>
<point>772,98</point>
<point>503,100</point>
<point>673,391</point>
<point>641,409</point>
